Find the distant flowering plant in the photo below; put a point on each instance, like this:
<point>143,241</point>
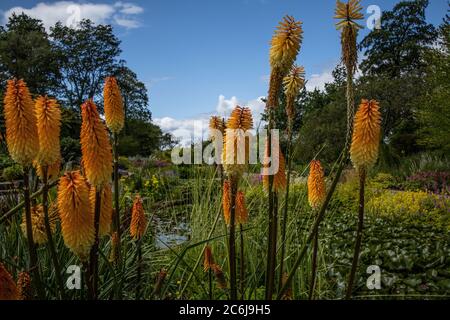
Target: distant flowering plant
<point>436,182</point>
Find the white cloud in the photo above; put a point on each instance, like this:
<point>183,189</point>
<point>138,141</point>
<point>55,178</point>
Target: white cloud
<point>70,12</point>
<point>319,80</point>
<point>184,129</point>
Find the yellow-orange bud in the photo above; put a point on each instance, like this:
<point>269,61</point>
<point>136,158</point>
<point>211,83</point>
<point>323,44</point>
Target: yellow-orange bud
<point>48,119</point>
<point>95,146</point>
<point>241,208</point>
<point>114,113</point>
<point>20,121</point>
<point>279,178</point>
<point>208,259</point>
<point>316,184</point>
<point>105,208</point>
<point>38,223</point>
<point>138,220</point>
<point>366,135</point>
<point>226,201</point>
<point>77,218</point>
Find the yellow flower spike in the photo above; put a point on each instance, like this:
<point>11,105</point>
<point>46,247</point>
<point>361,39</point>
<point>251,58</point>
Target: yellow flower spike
<point>347,13</point>
<point>208,260</point>
<point>316,184</point>
<point>293,83</point>
<point>216,123</point>
<point>20,121</point>
<point>95,146</point>
<point>106,208</point>
<point>240,121</point>
<point>24,289</point>
<point>138,220</point>
<point>77,218</point>
<point>8,288</point>
<point>114,113</point>
<point>279,178</point>
<point>38,223</point>
<point>48,119</point>
<point>241,208</point>
<point>226,201</point>
<point>366,135</point>
<point>285,43</point>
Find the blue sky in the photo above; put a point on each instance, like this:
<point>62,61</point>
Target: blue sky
<point>199,57</point>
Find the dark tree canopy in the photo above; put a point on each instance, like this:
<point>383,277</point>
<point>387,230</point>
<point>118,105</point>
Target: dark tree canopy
<point>86,55</point>
<point>399,46</point>
<point>26,52</point>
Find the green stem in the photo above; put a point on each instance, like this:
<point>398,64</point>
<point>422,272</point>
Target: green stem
<point>270,259</point>
<point>93,261</point>
<point>351,279</point>
<point>286,206</point>
<point>232,240</point>
<point>34,266</point>
<point>139,269</point>
<point>315,226</point>
<point>242,263</point>
<point>314,266</point>
<point>51,244</point>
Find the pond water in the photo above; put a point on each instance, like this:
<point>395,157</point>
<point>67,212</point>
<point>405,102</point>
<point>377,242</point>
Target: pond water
<point>170,233</point>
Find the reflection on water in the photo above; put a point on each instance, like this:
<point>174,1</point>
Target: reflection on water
<point>169,233</point>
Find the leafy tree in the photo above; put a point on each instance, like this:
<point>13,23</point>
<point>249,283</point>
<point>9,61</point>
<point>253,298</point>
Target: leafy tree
<point>86,55</point>
<point>401,43</point>
<point>142,138</point>
<point>26,52</point>
<point>434,111</point>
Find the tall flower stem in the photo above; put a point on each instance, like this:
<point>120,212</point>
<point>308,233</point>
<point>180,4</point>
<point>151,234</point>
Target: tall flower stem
<point>34,266</point>
<point>116,218</point>
<point>51,244</point>
<point>270,271</point>
<point>351,279</point>
<point>93,260</point>
<point>315,226</point>
<point>232,240</point>
<point>242,263</point>
<point>286,205</point>
<point>210,284</point>
<point>314,265</point>
<point>139,268</point>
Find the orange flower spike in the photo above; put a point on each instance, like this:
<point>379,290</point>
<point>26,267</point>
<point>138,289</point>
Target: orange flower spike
<point>8,288</point>
<point>95,146</point>
<point>316,184</point>
<point>20,121</point>
<point>53,169</point>
<point>77,219</point>
<point>366,135</point>
<point>38,223</point>
<point>240,121</point>
<point>106,208</point>
<point>279,179</point>
<point>138,220</point>
<point>241,209</point>
<point>48,117</point>
<point>226,199</point>
<point>114,113</point>
<point>208,260</point>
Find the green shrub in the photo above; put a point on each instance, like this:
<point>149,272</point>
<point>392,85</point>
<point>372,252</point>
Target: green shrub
<point>13,172</point>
